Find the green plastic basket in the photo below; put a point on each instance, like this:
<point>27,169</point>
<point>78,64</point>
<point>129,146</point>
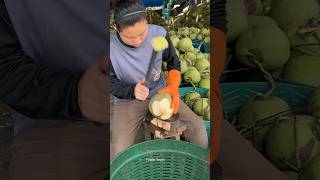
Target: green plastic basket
<point>234,95</point>
<point>162,159</point>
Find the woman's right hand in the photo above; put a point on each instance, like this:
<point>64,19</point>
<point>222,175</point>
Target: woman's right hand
<point>141,92</point>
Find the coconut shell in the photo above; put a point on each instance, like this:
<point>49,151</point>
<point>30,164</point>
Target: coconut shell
<point>303,69</point>
<point>269,45</point>
<point>298,12</point>
<point>281,146</point>
<point>258,108</point>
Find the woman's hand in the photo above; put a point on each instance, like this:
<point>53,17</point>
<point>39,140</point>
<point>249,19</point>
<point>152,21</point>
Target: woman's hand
<point>141,92</point>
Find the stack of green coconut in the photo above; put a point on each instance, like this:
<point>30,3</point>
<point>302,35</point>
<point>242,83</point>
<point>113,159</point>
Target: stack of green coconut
<point>281,39</point>
<point>290,139</point>
<point>188,33</point>
<point>283,36</point>
<point>199,104</point>
<point>195,65</point>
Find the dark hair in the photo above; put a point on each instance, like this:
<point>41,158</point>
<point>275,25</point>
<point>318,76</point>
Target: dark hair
<point>128,12</point>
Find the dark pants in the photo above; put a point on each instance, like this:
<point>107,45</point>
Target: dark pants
<point>127,118</point>
<point>74,151</point>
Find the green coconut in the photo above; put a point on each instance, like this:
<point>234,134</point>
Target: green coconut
<point>183,66</point>
<point>207,114</point>
<point>178,53</point>
<point>305,38</point>
<point>312,170</point>
<point>205,83</point>
<point>160,106</point>
<point>200,56</point>
<point>260,21</point>
<point>203,66</point>
<point>175,40</point>
<point>191,57</point>
<point>200,37</point>
<point>267,45</point>
<point>288,12</point>
<point>205,31</point>
<point>190,98</point>
<point>254,7</point>
<point>196,50</point>
<point>303,69</point>
<point>164,65</point>
<point>207,56</point>
<point>192,75</point>
<point>237,18</point>
<point>256,110</point>
<point>281,144</point>
<point>185,44</point>
<point>200,106</point>
<point>314,103</point>
<point>193,36</point>
<point>207,39</point>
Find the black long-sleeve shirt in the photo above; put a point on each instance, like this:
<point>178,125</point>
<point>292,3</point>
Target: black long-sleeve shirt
<point>218,14</point>
<point>124,90</point>
<point>33,89</point>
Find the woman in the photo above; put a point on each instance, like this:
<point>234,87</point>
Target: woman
<point>130,53</point>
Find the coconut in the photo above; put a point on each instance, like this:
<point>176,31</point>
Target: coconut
<point>207,39</point>
<point>260,21</point>
<point>160,106</point>
<point>159,43</point>
<point>314,103</point>
<point>205,83</point>
<point>178,53</point>
<point>185,44</point>
<point>200,106</point>
<point>192,75</point>
<point>207,114</point>
<point>237,18</point>
<point>190,98</point>
<point>193,36</point>
<point>205,32</point>
<point>257,111</point>
<point>267,45</point>
<point>312,170</point>
<point>183,66</point>
<point>175,41</point>
<point>164,65</point>
<point>203,66</point>
<point>288,12</point>
<point>287,137</point>
<point>200,37</point>
<point>303,69</point>
<point>305,38</point>
<point>200,56</point>
<point>191,57</point>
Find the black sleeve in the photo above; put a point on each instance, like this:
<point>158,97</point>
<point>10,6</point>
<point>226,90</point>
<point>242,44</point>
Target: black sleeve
<point>119,88</point>
<point>170,56</point>
<point>218,14</point>
<point>30,88</point>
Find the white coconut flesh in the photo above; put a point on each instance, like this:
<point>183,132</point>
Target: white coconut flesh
<point>162,108</point>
